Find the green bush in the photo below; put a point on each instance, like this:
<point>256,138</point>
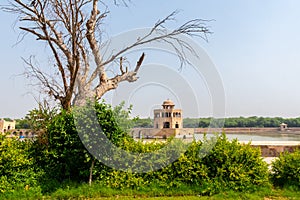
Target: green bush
<point>159,157</point>
<point>286,170</point>
<point>61,154</point>
<point>235,166</point>
<point>60,151</point>
<point>228,166</point>
<point>17,169</point>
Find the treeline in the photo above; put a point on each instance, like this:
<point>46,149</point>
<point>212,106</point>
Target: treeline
<point>143,123</point>
<point>243,122</point>
<point>205,122</point>
<point>229,122</point>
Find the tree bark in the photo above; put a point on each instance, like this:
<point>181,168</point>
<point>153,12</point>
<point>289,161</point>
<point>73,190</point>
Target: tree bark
<point>91,172</point>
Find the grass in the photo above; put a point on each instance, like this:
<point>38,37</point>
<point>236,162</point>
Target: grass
<point>95,192</point>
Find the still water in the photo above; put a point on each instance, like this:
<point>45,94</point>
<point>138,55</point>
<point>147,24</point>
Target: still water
<point>256,137</point>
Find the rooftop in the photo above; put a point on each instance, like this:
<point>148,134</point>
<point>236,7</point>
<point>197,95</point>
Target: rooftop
<point>168,102</point>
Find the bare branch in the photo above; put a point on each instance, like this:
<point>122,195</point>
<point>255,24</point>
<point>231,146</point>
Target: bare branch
<point>158,33</point>
<point>121,65</point>
<point>46,81</point>
<point>72,31</point>
<point>139,63</point>
<point>122,2</point>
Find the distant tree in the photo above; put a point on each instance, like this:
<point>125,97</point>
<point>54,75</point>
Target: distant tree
<point>22,124</point>
<point>143,123</point>
<point>231,122</point>
<point>204,122</point>
<point>72,30</point>
<point>7,119</point>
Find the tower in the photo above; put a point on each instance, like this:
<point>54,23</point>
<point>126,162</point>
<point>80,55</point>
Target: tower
<point>167,117</point>
<point>6,126</point>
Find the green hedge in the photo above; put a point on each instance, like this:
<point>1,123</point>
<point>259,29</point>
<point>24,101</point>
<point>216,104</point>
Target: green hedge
<point>228,166</point>
<point>286,170</point>
<point>17,169</point>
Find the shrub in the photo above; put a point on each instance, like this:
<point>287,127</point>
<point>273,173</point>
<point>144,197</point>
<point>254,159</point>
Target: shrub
<point>142,161</point>
<point>63,157</point>
<point>235,166</point>
<point>228,166</point>
<point>286,170</point>
<point>17,170</point>
<point>60,151</point>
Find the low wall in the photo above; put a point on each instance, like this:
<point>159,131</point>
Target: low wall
<point>275,148</point>
<point>160,133</point>
<point>24,133</point>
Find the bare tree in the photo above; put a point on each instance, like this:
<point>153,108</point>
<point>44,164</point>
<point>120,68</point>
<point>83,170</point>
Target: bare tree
<point>72,31</point>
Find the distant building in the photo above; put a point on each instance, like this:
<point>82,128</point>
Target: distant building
<point>6,126</point>
<point>168,117</point>
<point>283,126</point>
<point>10,127</point>
<point>168,122</point>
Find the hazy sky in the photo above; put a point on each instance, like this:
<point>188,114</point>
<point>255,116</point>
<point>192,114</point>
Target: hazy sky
<point>255,47</point>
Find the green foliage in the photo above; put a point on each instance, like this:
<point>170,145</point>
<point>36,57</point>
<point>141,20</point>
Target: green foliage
<point>114,122</point>
<point>62,155</point>
<point>286,170</point>
<point>39,119</point>
<point>22,124</point>
<point>60,151</point>
<point>8,119</point>
<point>236,167</point>
<point>58,160</point>
<point>143,123</point>
<point>121,116</point>
<point>195,123</point>
<point>228,166</point>
<point>159,157</point>
<point>17,170</point>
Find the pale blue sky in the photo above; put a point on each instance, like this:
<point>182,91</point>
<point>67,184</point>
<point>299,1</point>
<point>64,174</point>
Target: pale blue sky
<point>255,46</point>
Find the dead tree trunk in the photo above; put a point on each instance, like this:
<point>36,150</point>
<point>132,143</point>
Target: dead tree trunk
<point>70,29</point>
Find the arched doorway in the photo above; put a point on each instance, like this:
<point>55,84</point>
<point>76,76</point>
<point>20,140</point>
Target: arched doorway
<point>166,124</point>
